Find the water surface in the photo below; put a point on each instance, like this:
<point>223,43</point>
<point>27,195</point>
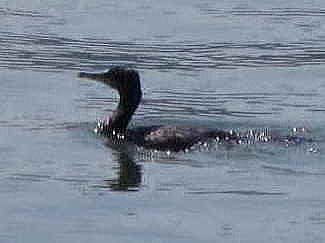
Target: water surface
<point>249,67</point>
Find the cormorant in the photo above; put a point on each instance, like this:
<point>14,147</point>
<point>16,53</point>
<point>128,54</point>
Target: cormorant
<point>171,138</point>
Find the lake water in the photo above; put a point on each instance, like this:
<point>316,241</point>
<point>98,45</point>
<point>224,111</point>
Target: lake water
<point>235,65</point>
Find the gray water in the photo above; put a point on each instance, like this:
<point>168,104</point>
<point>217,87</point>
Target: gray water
<point>235,65</point>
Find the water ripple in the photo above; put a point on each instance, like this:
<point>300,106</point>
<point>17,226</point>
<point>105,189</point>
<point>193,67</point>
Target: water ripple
<point>42,178</point>
<point>48,52</point>
<point>184,103</point>
<point>41,124</point>
<point>290,171</point>
<point>240,192</point>
<point>278,12</point>
<point>21,13</point>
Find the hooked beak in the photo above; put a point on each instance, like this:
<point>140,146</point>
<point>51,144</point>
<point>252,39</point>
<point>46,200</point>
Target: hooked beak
<point>101,77</point>
<point>92,76</point>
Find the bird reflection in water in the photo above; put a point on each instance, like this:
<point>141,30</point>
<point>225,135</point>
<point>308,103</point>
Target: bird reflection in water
<point>129,174</point>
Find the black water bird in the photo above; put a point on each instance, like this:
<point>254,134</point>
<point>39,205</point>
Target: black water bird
<point>171,138</point>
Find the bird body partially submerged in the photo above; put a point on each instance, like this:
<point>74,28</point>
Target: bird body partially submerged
<point>173,138</point>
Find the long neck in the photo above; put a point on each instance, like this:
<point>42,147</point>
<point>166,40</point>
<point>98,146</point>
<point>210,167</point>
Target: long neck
<point>128,103</point>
